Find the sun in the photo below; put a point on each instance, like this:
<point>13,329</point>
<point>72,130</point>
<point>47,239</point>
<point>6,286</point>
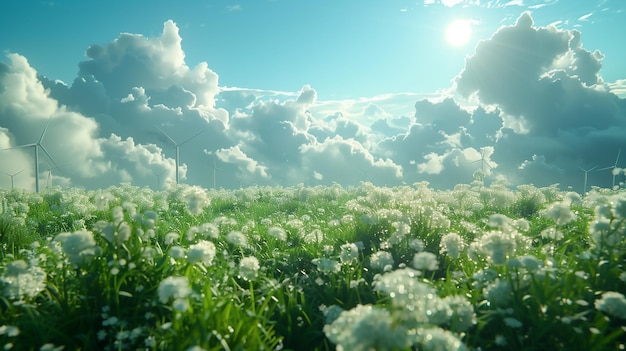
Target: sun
<point>459,32</point>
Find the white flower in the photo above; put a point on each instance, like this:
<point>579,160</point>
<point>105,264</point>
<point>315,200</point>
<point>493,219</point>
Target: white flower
<point>23,281</point>
<point>249,268</point>
<point>463,316</point>
<point>452,244</point>
<point>202,252</point>
<point>79,246</point>
<point>173,287</point>
<point>382,261</point>
<point>498,293</point>
<point>278,233</point>
<point>612,303</point>
<point>561,213</point>
<point>326,265</point>
<point>425,261</point>
<point>195,199</point>
<point>497,246</point>
<point>177,252</point>
<point>437,339</point>
<point>365,328</point>
<point>349,252</point>
<point>170,238</point>
<point>237,238</point>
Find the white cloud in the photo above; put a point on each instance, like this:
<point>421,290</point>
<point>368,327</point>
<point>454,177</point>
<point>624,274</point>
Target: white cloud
<point>540,111</point>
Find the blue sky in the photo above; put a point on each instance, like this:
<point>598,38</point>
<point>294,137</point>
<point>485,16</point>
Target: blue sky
<point>344,49</point>
<point>313,92</point>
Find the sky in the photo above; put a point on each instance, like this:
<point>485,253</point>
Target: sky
<point>280,93</point>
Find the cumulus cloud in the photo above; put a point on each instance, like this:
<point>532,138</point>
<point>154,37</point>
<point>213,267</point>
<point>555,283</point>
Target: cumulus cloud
<point>540,111</point>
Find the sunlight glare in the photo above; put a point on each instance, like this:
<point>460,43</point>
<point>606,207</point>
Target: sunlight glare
<point>459,32</point>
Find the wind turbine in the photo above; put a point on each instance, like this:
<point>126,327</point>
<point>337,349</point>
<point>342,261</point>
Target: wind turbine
<point>483,161</point>
<point>37,146</point>
<point>158,175</point>
<point>178,145</point>
<point>614,169</point>
<point>586,177</point>
<point>12,176</point>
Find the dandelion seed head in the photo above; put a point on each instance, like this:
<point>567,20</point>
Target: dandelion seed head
<point>612,303</point>
<point>381,261</point>
<point>203,252</point>
<point>249,268</point>
<point>278,233</point>
<point>364,328</point>
<point>237,238</point>
<point>452,244</point>
<point>173,287</point>
<point>425,261</point>
<point>349,252</point>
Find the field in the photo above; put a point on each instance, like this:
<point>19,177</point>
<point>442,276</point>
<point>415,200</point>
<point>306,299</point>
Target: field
<point>313,268</point>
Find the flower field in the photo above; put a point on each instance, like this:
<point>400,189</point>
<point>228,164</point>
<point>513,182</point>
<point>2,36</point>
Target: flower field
<point>313,268</point>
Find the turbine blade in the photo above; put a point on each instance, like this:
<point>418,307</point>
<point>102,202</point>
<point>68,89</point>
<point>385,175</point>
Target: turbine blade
<point>44,130</point>
<point>19,146</point>
<point>167,136</point>
<point>618,154</point>
<point>48,154</point>
<point>188,139</point>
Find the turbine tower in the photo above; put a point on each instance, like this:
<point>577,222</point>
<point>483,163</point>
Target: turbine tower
<point>178,145</point>
<point>586,177</point>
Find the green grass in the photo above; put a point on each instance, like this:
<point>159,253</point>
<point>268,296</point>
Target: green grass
<point>103,284</point>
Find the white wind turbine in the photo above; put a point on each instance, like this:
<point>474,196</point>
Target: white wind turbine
<point>12,176</point>
<point>586,177</point>
<point>614,169</point>
<point>178,145</point>
<point>484,163</point>
<point>158,176</point>
<point>37,146</point>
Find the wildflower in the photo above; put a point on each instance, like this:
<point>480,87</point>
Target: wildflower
<point>331,313</point>
<point>173,287</point>
<point>452,244</point>
<point>619,206</point>
<point>326,265</point>
<point>249,268</point>
<point>425,261</point>
<point>195,199</point>
<point>561,213</point>
<point>170,238</point>
<point>237,238</point>
<point>209,230</point>
<point>364,328</point>
<point>382,261</point>
<point>349,252</point>
<point>9,330</point>
<point>79,246</point>
<point>21,280</point>
<point>612,303</point>
<point>498,220</point>
<point>402,286</point>
<point>177,252</point>
<point>496,245</point>
<point>437,339</point>
<point>278,233</point>
<point>463,316</point>
<point>498,293</point>
<point>552,233</point>
<point>203,252</point>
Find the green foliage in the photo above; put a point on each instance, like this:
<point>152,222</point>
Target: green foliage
<point>128,268</point>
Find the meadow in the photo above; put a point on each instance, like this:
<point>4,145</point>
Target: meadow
<point>313,268</point>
